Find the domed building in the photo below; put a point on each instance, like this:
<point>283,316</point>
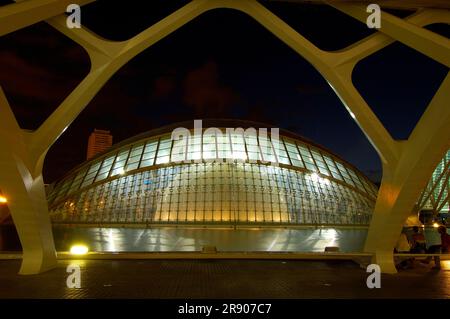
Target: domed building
<point>221,176</point>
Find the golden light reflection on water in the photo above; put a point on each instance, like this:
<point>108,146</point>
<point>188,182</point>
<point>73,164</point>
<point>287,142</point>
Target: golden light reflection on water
<point>445,264</point>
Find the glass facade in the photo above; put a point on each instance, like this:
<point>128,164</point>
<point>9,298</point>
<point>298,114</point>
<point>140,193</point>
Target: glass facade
<point>214,179</point>
<point>436,197</point>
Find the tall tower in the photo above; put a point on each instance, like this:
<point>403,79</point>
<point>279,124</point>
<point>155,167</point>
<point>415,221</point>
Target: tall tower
<point>99,140</point>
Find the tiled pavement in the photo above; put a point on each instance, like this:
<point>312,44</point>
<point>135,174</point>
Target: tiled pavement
<point>221,279</point>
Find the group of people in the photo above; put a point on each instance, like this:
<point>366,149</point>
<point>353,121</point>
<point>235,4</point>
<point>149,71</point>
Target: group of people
<point>417,244</point>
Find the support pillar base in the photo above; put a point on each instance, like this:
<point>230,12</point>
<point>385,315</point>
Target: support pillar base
<point>37,263</point>
<point>386,262</point>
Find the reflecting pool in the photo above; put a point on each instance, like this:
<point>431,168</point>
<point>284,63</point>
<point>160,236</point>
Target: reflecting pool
<point>193,239</point>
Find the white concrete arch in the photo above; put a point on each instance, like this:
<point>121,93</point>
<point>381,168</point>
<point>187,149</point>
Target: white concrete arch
<point>407,165</point>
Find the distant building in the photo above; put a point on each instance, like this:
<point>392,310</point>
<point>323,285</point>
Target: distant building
<point>99,141</point>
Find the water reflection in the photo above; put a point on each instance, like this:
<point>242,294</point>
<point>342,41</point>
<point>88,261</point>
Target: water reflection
<point>189,239</point>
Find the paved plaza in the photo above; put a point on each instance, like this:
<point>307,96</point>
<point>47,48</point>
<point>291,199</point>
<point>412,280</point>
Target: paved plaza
<point>222,279</point>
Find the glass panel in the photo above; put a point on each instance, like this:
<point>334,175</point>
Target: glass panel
<point>121,158</point>
<point>137,150</point>
<point>307,158</point>
<point>164,151</point>
<point>238,147</point>
<point>179,150</point>
<point>267,150</point>
<point>355,179</point>
<point>332,166</point>
<point>77,181</point>
<point>251,139</point>
<point>280,151</point>
<point>345,174</point>
<point>293,154</point>
<point>151,147</point>
<point>223,147</point>
<point>195,148</point>
<point>132,160</point>
<point>147,162</point>
<point>134,165</point>
<point>209,147</point>
<point>149,154</point>
<point>320,163</point>
<point>162,159</point>
<point>61,189</point>
<point>91,174</point>
<point>106,167</point>
<point>252,148</point>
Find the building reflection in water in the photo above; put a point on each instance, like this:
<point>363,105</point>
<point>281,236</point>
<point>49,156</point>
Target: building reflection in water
<point>193,239</point>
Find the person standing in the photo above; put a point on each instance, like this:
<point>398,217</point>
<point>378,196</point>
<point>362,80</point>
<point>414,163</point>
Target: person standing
<point>443,247</point>
<point>403,245</point>
<point>445,239</point>
<point>418,242</point>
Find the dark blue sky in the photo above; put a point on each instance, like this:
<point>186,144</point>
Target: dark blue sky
<point>221,65</point>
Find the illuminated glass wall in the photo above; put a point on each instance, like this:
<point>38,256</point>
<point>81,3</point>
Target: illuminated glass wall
<point>436,197</point>
<point>156,180</point>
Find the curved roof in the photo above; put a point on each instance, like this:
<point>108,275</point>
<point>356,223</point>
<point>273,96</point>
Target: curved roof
<point>222,123</point>
<point>155,148</point>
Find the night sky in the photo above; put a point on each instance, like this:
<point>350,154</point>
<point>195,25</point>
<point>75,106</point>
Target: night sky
<point>221,65</point>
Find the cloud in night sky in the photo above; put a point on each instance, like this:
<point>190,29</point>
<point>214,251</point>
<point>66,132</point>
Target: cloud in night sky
<point>205,94</point>
<point>21,76</point>
<point>164,86</point>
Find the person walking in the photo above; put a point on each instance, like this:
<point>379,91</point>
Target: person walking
<point>443,247</point>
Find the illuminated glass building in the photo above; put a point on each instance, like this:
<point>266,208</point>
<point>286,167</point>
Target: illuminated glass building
<point>214,179</point>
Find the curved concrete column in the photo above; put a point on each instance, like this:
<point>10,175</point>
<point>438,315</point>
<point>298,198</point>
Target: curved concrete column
<point>26,196</point>
<point>23,152</point>
<point>404,181</point>
<point>405,175</point>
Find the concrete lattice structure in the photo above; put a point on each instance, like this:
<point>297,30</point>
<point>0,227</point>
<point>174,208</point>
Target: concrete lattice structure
<point>407,164</point>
